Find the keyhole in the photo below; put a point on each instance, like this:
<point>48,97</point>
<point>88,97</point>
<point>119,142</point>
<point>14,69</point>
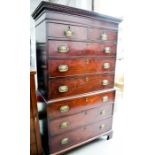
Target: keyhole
<point>87,61</point>
<point>87,79</point>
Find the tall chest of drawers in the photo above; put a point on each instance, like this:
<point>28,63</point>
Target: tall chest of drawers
<point>76,55</point>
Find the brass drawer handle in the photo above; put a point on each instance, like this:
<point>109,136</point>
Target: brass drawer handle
<point>102,126</point>
<point>105,82</point>
<point>68,32</point>
<point>107,50</point>
<point>64,108</point>
<point>104,36</point>
<point>105,98</point>
<point>63,68</point>
<point>106,65</point>
<point>64,141</point>
<point>102,112</point>
<point>63,89</point>
<point>64,125</point>
<point>63,49</point>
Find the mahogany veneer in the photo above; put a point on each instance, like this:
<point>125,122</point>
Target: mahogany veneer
<point>79,135</point>
<point>57,31</point>
<point>80,66</point>
<point>76,55</point>
<point>78,84</point>
<point>94,34</point>
<point>79,119</point>
<point>79,104</point>
<point>81,48</point>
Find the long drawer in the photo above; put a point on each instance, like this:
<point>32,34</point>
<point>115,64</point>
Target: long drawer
<point>72,48</point>
<point>73,106</point>
<point>65,67</point>
<point>75,121</point>
<point>61,87</point>
<point>82,134</point>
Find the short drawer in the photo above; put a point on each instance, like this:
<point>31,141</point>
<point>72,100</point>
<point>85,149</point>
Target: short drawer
<point>67,67</point>
<point>61,87</point>
<point>70,107</point>
<point>71,48</point>
<point>73,122</point>
<point>56,30</point>
<point>102,35</point>
<point>60,142</point>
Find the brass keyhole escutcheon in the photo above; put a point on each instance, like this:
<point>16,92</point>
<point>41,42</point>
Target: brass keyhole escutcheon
<point>86,99</point>
<point>87,79</point>
<point>87,61</point>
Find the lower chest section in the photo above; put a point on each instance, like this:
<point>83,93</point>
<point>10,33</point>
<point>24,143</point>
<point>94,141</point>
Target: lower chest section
<point>74,121</point>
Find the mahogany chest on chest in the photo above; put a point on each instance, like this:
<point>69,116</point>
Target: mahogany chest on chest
<point>76,55</point>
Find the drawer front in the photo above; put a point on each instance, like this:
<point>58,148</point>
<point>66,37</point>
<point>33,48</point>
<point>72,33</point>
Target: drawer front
<point>67,31</point>
<point>70,107</point>
<point>73,122</point>
<point>80,66</point>
<point>61,87</point>
<point>67,139</point>
<point>102,35</point>
<point>68,48</point>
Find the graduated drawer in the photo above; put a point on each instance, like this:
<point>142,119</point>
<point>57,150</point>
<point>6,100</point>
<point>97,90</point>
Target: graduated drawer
<point>62,141</point>
<point>64,67</point>
<point>102,35</point>
<point>75,121</point>
<point>70,107</point>
<point>72,48</point>
<point>61,87</point>
<point>67,31</point>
